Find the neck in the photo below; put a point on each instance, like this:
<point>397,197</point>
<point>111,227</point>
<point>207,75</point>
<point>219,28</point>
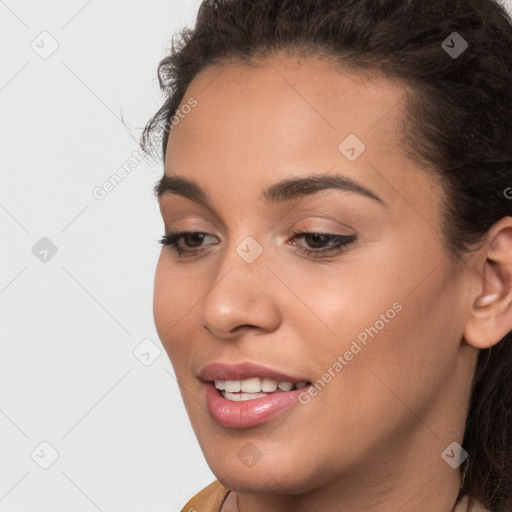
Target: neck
<point>435,490</point>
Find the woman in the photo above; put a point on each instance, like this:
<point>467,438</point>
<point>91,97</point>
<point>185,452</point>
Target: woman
<point>335,283</point>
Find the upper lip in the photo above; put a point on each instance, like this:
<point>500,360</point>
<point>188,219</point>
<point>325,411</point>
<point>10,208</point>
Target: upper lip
<point>240,371</point>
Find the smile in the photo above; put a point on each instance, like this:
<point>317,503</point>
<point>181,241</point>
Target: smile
<point>242,409</point>
<point>253,388</point>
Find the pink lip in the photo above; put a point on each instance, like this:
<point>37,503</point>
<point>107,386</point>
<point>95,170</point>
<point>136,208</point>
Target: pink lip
<point>248,413</point>
<point>240,371</point>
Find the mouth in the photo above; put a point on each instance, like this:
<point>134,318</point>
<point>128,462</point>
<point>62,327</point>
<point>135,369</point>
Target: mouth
<point>246,394</point>
<point>254,387</point>
<point>244,409</point>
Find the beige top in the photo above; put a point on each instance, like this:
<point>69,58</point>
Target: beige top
<point>463,505</point>
<point>212,497</point>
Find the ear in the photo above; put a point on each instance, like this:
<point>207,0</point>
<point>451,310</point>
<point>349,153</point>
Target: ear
<point>490,317</point>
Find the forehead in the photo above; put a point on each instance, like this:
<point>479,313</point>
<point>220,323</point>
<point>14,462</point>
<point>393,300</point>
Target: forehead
<point>305,97</point>
<point>286,115</point>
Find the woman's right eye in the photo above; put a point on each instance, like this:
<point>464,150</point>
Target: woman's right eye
<point>171,239</point>
<point>331,244</point>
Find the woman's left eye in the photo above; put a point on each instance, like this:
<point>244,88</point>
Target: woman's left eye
<point>339,242</point>
<point>329,243</point>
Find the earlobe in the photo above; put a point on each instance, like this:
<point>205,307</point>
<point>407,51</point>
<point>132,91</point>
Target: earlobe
<point>486,300</point>
<point>490,317</point>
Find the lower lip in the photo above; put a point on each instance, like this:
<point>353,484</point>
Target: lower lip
<point>248,413</point>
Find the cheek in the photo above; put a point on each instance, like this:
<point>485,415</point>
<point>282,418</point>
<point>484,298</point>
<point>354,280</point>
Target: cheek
<point>173,309</point>
<point>396,348</point>
<point>393,312</point>
<point>335,305</point>
<point>164,303</point>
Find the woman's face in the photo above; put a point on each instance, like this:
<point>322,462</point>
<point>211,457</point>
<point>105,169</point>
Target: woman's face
<point>375,327</point>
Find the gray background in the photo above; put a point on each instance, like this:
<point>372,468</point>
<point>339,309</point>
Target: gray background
<point>82,369</point>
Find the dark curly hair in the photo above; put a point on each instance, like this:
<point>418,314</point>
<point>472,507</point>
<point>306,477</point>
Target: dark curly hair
<point>457,123</point>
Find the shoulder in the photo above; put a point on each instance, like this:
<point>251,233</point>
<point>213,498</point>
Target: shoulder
<point>209,499</point>
<point>462,506</point>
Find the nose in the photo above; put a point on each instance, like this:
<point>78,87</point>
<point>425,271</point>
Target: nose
<point>243,296</point>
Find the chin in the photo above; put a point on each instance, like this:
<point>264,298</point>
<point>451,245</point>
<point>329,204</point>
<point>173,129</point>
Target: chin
<point>261,483</point>
<point>265,476</point>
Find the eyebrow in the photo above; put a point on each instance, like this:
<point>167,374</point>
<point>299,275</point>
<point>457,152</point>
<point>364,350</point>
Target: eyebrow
<point>284,190</point>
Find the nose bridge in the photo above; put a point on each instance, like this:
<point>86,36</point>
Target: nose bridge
<point>239,293</point>
<point>244,253</point>
<point>242,268</point>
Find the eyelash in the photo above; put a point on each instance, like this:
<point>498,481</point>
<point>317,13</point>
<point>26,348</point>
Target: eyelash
<point>343,242</point>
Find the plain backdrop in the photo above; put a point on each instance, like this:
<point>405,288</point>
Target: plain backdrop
<point>90,413</point>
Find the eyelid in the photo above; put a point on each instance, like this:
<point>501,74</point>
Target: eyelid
<point>342,244</point>
<point>340,228</point>
<point>177,215</point>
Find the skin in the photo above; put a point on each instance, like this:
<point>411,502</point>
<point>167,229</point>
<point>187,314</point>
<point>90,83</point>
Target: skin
<point>372,439</point>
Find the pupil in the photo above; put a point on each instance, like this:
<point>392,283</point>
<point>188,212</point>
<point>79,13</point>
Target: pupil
<point>197,236</point>
<point>317,238</point>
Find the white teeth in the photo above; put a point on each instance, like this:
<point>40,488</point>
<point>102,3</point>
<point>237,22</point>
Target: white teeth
<point>252,385</point>
<point>255,385</point>
<point>268,385</point>
<point>233,386</point>
<point>240,397</point>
